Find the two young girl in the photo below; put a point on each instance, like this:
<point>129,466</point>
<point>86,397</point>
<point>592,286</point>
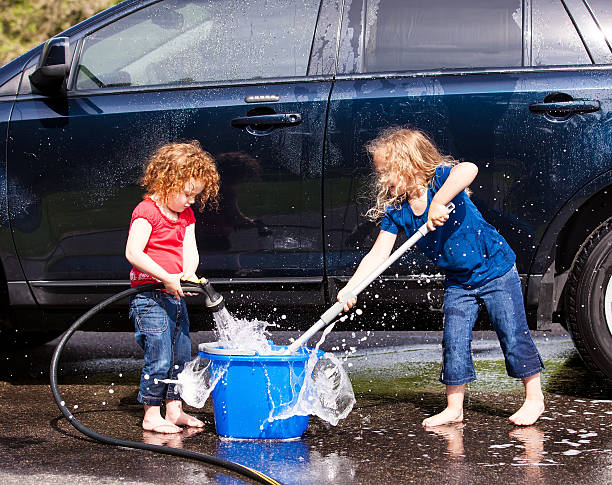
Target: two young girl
<point>414,185</point>
<point>162,247</point>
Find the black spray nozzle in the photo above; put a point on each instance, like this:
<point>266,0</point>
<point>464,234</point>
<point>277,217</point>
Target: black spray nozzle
<point>214,301</point>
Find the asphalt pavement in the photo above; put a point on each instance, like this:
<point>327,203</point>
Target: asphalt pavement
<point>394,376</point>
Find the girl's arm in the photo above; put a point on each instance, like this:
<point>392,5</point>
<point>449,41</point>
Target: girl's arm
<point>378,254</point>
<point>459,178</point>
<point>134,252</point>
<point>191,257</point>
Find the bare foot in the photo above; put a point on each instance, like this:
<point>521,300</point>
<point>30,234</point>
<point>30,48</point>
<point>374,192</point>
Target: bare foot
<point>160,425</point>
<point>448,416</point>
<point>184,419</point>
<point>529,412</point>
<point>176,415</point>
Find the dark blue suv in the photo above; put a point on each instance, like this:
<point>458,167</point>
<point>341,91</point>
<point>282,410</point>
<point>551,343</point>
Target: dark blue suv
<point>284,94</point>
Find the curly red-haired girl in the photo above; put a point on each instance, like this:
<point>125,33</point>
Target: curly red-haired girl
<point>161,246</point>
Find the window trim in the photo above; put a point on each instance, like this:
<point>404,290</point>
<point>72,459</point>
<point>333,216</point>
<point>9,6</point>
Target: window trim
<point>477,71</point>
<point>598,23</point>
<point>527,40</point>
<point>196,86</point>
<point>588,29</point>
<point>327,45</point>
<point>82,35</point>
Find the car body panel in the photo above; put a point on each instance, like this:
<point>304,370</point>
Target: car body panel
<point>293,197</point>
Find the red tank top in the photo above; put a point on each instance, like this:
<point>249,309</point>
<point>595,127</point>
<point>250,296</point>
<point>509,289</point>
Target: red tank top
<point>165,244</point>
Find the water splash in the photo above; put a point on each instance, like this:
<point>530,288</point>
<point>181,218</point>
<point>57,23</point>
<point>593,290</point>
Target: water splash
<point>241,334</point>
<point>196,381</point>
<point>326,391</point>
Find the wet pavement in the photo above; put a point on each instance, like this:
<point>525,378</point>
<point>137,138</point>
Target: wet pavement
<point>394,375</point>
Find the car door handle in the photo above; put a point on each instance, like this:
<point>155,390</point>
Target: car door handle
<point>275,119</point>
<point>575,106</point>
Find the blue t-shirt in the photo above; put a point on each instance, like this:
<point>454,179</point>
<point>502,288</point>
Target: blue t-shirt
<point>466,247</point>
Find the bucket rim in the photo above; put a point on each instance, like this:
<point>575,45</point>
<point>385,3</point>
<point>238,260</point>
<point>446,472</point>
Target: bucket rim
<point>215,350</point>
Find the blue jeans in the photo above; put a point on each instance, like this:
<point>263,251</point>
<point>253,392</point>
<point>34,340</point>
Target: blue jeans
<point>503,299</point>
<point>161,328</point>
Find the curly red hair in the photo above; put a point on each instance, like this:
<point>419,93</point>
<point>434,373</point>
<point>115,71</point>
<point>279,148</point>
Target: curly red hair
<point>175,164</point>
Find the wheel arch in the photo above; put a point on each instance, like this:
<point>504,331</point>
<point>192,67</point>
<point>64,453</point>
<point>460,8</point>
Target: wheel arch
<point>586,219</point>
<point>568,230</point>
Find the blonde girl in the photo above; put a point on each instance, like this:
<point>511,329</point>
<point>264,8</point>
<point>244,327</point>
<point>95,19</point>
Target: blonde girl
<point>414,183</point>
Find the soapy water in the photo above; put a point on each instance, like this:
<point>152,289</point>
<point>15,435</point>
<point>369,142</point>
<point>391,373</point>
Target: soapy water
<point>326,391</point>
<point>196,381</point>
<point>241,334</point>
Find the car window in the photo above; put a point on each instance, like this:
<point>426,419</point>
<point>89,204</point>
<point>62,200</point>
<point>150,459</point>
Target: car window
<point>434,34</point>
<point>25,87</point>
<point>10,87</point>
<point>555,40</point>
<point>602,9</point>
<point>182,41</point>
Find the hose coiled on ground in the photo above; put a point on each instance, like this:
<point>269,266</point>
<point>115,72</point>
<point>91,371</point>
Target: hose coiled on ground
<point>212,460</point>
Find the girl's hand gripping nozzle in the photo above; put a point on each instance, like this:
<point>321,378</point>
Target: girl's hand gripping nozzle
<point>337,308</point>
<point>213,300</point>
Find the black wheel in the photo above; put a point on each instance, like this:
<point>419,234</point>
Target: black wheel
<point>589,301</point>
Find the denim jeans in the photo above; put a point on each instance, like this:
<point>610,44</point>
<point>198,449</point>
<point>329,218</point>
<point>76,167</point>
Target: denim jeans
<point>161,328</point>
<point>503,299</point>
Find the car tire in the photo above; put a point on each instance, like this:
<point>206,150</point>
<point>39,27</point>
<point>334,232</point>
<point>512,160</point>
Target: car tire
<point>588,301</point>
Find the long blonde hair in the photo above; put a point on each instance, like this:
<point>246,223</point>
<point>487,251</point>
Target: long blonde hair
<point>408,153</point>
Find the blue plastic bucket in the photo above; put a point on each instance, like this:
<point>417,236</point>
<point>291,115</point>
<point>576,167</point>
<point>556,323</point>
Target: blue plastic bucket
<point>253,387</point>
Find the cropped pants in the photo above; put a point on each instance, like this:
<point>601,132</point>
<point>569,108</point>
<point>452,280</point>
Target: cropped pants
<point>503,299</point>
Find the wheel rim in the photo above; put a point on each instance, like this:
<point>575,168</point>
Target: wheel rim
<point>608,304</point>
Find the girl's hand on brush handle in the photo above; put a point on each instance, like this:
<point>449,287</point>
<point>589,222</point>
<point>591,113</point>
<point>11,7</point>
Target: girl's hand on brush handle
<point>437,215</point>
<point>347,304</point>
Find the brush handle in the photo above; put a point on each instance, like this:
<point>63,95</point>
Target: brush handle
<point>337,308</point>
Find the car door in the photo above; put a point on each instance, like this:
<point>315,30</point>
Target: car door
<point>238,77</point>
<point>478,77</point>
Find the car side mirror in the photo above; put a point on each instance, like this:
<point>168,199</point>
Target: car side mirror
<point>49,78</point>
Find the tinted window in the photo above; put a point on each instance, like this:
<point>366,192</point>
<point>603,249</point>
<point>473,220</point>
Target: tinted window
<point>10,87</point>
<point>25,87</point>
<point>602,9</point>
<point>420,35</point>
<point>181,41</point>
<point>555,40</point>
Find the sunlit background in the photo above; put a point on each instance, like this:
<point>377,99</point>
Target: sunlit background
<point>27,23</point>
